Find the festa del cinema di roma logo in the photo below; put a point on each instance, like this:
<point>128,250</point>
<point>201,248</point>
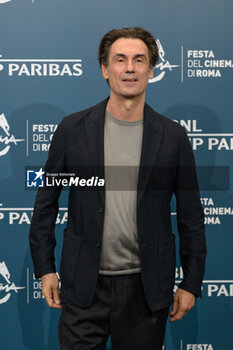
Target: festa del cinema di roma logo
<point>7,286</point>
<point>162,65</point>
<point>6,139</point>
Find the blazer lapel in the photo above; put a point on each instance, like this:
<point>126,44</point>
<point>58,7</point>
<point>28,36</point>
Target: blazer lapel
<point>152,134</point>
<point>95,141</point>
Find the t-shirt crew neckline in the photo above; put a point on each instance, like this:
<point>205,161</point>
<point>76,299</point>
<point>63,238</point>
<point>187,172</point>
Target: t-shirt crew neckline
<point>123,122</point>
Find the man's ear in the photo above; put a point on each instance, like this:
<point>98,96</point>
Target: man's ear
<point>104,71</point>
<point>151,73</point>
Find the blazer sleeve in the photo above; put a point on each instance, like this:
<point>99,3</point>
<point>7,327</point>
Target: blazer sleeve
<point>41,236</point>
<point>190,219</point>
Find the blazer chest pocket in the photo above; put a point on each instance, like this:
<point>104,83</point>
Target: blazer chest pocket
<point>167,264</point>
<point>70,255</point>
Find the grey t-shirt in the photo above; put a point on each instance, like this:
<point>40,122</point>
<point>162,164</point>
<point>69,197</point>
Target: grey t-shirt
<point>122,152</point>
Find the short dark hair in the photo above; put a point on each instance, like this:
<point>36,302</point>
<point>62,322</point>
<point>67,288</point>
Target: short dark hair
<point>131,32</point>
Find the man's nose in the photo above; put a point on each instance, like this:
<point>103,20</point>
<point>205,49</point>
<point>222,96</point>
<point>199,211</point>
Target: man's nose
<point>129,66</point>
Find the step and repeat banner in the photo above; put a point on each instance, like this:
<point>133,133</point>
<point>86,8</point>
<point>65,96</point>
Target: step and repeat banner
<point>49,69</point>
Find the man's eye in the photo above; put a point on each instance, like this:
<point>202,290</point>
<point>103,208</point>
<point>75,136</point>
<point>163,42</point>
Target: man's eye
<point>139,60</point>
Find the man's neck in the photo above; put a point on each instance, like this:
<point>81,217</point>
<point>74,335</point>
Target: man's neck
<point>130,109</point>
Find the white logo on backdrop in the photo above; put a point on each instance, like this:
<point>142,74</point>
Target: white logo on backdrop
<point>8,286</point>
<point>162,65</point>
<point>41,67</point>
<point>7,138</point>
<point>3,1</point>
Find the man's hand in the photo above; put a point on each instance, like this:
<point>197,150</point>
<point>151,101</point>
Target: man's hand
<point>183,302</point>
<point>50,290</point>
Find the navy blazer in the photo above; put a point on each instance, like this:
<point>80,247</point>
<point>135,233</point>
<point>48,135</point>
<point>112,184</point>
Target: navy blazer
<point>167,167</point>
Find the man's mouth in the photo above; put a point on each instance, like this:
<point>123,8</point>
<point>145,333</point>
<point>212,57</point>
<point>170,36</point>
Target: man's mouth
<point>130,80</point>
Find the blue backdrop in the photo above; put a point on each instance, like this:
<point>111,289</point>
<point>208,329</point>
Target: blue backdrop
<point>48,69</point>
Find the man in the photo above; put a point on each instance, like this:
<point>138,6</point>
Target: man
<point>118,259</point>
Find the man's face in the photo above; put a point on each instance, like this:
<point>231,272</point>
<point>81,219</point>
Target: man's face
<point>128,67</point>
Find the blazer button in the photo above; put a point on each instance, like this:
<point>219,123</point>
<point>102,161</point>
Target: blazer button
<point>97,244</point>
<point>144,245</point>
<point>101,209</point>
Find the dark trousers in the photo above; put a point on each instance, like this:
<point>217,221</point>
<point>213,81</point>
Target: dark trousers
<point>119,308</point>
